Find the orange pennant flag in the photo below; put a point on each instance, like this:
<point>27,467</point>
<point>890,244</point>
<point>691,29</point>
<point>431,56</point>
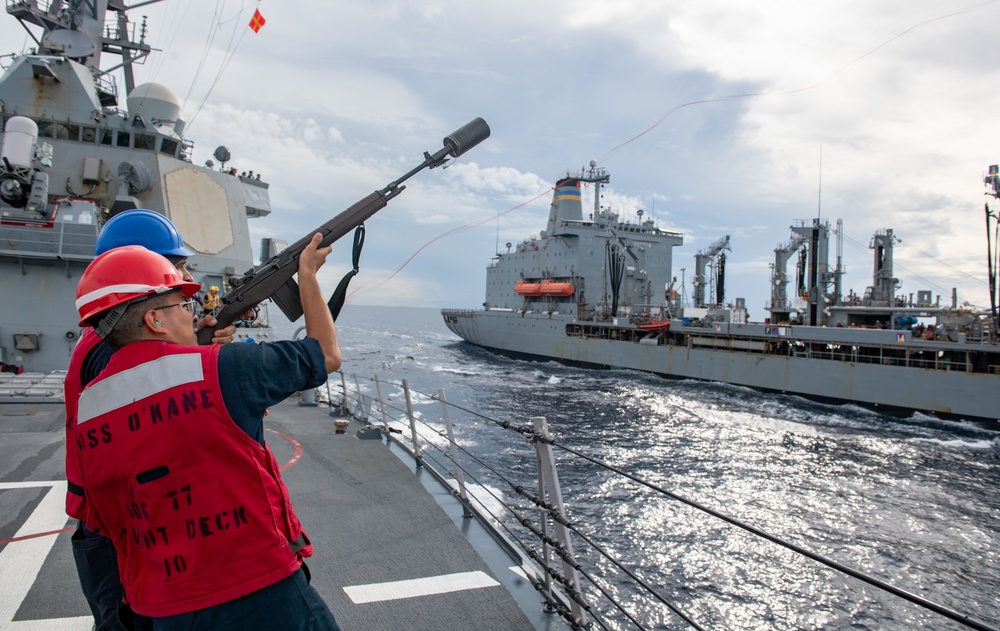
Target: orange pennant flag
<point>257,21</point>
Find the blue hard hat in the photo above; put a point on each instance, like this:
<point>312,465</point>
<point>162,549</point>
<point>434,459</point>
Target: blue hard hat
<point>142,227</point>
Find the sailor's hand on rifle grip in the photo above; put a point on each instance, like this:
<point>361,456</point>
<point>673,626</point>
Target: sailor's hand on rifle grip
<point>223,336</point>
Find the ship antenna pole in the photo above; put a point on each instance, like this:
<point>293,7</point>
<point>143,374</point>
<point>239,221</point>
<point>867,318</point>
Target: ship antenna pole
<point>991,271</point>
<point>819,194</point>
<point>992,180</point>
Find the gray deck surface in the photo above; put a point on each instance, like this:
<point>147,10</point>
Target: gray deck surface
<point>371,521</point>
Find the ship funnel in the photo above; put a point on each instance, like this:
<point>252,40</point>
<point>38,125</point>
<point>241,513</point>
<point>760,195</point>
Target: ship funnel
<point>567,204</point>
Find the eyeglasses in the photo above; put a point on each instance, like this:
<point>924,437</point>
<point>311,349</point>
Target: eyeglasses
<point>187,304</point>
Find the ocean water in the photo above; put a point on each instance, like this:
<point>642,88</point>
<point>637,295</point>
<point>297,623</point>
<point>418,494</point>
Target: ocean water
<point>909,500</point>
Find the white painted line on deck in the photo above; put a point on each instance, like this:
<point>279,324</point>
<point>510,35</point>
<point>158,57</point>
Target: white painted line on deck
<point>396,590</point>
<point>21,561</point>
<point>31,485</point>
<point>517,569</point>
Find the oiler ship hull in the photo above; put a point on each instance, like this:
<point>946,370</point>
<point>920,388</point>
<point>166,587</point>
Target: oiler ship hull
<point>889,369</point>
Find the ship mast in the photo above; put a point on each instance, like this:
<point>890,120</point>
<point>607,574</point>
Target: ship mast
<point>597,176</point>
<point>76,29</point>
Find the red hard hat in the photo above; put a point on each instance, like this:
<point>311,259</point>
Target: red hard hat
<point>123,274</point>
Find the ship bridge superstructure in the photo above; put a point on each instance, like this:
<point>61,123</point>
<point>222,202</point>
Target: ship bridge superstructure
<point>595,267</point>
<point>73,159</point>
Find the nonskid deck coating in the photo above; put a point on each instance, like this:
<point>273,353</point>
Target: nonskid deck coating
<point>376,531</point>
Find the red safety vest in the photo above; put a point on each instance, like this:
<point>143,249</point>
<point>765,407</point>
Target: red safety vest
<point>75,500</point>
<point>196,508</point>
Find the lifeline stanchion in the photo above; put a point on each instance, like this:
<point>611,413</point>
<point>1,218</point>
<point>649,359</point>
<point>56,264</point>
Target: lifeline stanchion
<point>553,497</point>
<point>381,405</point>
<point>454,455</point>
<point>413,424</point>
<point>362,412</point>
<point>542,514</point>
<point>344,401</point>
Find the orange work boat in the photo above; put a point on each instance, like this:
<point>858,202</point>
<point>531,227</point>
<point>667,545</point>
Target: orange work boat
<point>525,288</point>
<point>553,288</point>
<point>656,325</point>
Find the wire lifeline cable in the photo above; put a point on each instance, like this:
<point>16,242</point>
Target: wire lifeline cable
<point>639,581</point>
<point>561,609</point>
<point>525,547</point>
<point>532,553</point>
<point>631,575</point>
<point>436,447</point>
<point>833,564</point>
<point>913,598</point>
<point>537,502</point>
<point>961,618</point>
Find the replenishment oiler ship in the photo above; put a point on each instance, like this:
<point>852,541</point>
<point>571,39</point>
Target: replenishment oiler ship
<point>598,290</point>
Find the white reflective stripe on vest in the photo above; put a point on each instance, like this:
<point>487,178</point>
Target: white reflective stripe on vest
<point>137,383</point>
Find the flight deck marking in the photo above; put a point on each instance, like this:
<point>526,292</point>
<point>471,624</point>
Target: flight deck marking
<point>296,444</point>
<point>21,560</point>
<point>396,590</point>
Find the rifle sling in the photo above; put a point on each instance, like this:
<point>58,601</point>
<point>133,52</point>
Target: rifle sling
<point>336,302</point>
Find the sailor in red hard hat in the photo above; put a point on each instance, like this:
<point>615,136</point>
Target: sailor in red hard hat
<point>173,463</point>
<point>94,556</point>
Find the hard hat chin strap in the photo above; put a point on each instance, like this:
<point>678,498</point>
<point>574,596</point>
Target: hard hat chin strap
<point>106,325</point>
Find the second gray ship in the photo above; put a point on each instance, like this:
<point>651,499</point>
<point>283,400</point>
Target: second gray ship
<point>599,290</point>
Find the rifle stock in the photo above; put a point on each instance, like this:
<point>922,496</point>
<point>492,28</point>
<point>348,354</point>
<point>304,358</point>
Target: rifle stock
<point>274,278</point>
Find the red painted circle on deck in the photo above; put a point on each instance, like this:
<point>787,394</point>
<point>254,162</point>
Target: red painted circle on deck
<point>295,443</point>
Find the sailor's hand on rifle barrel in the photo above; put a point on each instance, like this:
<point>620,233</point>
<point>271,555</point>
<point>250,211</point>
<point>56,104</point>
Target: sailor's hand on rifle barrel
<point>313,256</point>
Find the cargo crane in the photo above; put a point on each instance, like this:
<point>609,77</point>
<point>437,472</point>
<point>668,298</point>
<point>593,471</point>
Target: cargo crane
<point>702,260</point>
<point>780,307</point>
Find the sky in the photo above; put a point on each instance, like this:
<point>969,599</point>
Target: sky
<point>714,117</point>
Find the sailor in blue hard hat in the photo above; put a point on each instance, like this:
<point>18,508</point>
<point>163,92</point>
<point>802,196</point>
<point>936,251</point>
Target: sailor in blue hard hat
<point>149,229</point>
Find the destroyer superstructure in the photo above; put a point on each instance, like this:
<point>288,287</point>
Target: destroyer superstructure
<point>72,158</point>
<point>614,304</point>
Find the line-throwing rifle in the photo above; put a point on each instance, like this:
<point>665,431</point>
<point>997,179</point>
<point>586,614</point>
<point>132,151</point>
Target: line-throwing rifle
<point>274,278</point>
